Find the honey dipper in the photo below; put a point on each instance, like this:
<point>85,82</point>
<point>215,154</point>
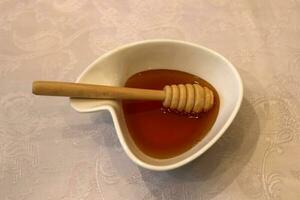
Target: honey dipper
<point>189,97</point>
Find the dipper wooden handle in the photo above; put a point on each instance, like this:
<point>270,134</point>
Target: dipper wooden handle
<point>188,98</point>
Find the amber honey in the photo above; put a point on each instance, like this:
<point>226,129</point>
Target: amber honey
<point>161,133</point>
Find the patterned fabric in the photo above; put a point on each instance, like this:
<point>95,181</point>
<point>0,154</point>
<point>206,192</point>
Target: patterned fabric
<point>49,151</point>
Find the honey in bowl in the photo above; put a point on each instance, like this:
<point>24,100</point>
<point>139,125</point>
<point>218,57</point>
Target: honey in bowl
<point>157,131</point>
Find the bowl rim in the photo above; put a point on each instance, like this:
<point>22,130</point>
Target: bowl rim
<point>113,111</point>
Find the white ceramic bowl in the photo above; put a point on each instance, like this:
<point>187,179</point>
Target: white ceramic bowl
<point>115,67</point>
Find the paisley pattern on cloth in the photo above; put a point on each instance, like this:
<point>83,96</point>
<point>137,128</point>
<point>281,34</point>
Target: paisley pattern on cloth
<point>48,151</point>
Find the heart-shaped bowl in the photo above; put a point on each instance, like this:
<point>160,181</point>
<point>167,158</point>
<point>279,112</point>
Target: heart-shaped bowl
<point>115,67</point>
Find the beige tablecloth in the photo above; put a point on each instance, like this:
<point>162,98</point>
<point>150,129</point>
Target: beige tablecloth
<point>49,151</point>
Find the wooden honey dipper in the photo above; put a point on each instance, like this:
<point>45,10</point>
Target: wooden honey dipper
<point>189,97</point>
